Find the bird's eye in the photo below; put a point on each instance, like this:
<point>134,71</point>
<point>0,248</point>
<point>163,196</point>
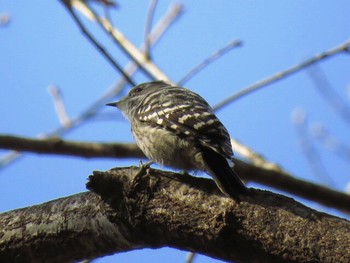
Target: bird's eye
<point>135,91</point>
<point>138,89</point>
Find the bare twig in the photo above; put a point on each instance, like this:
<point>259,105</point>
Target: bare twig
<point>299,119</point>
<point>282,74</point>
<point>59,105</point>
<point>99,47</point>
<point>216,55</point>
<point>321,82</point>
<point>147,66</point>
<point>174,12</point>
<point>148,27</point>
<point>270,176</point>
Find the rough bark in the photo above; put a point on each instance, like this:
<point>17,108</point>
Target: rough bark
<point>147,208</point>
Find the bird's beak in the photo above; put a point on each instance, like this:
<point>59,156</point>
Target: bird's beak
<point>113,104</point>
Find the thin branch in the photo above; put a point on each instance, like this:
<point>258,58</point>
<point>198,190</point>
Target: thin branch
<point>282,74</point>
<point>175,11</point>
<point>299,119</point>
<point>148,27</point>
<point>206,62</point>
<point>271,176</point>
<point>99,47</point>
<point>60,108</point>
<point>325,89</point>
<point>147,66</point>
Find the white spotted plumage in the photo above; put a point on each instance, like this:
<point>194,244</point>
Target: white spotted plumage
<point>176,127</point>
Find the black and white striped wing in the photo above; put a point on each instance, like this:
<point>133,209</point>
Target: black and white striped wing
<point>188,115</point>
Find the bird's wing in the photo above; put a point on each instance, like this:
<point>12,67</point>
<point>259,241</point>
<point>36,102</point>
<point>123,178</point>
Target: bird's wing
<point>189,120</point>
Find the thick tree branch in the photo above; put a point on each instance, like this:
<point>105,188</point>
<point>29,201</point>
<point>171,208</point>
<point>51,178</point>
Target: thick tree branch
<point>63,230</point>
<point>147,208</point>
<point>271,177</point>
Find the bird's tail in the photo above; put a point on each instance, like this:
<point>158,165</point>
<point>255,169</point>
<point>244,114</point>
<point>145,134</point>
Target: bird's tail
<point>226,179</point>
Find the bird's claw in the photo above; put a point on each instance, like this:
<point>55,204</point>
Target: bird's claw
<point>145,166</point>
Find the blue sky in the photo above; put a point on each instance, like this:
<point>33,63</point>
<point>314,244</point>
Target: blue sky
<point>41,46</point>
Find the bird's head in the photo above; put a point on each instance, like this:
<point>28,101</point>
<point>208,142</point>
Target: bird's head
<point>137,95</point>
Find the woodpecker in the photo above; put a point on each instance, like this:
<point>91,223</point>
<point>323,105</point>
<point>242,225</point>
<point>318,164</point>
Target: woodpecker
<point>176,127</point>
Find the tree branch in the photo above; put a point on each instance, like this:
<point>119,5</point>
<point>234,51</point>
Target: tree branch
<point>207,61</point>
<point>147,208</point>
<point>344,47</point>
<point>97,45</point>
<point>291,184</point>
<point>148,26</point>
<point>138,57</point>
<point>336,102</point>
<point>273,177</point>
<point>58,146</point>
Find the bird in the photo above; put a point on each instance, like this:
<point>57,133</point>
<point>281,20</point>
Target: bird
<point>176,127</point>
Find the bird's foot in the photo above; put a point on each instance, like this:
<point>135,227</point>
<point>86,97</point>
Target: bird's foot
<point>144,170</point>
<point>144,167</point>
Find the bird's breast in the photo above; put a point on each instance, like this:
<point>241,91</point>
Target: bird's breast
<point>166,148</point>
